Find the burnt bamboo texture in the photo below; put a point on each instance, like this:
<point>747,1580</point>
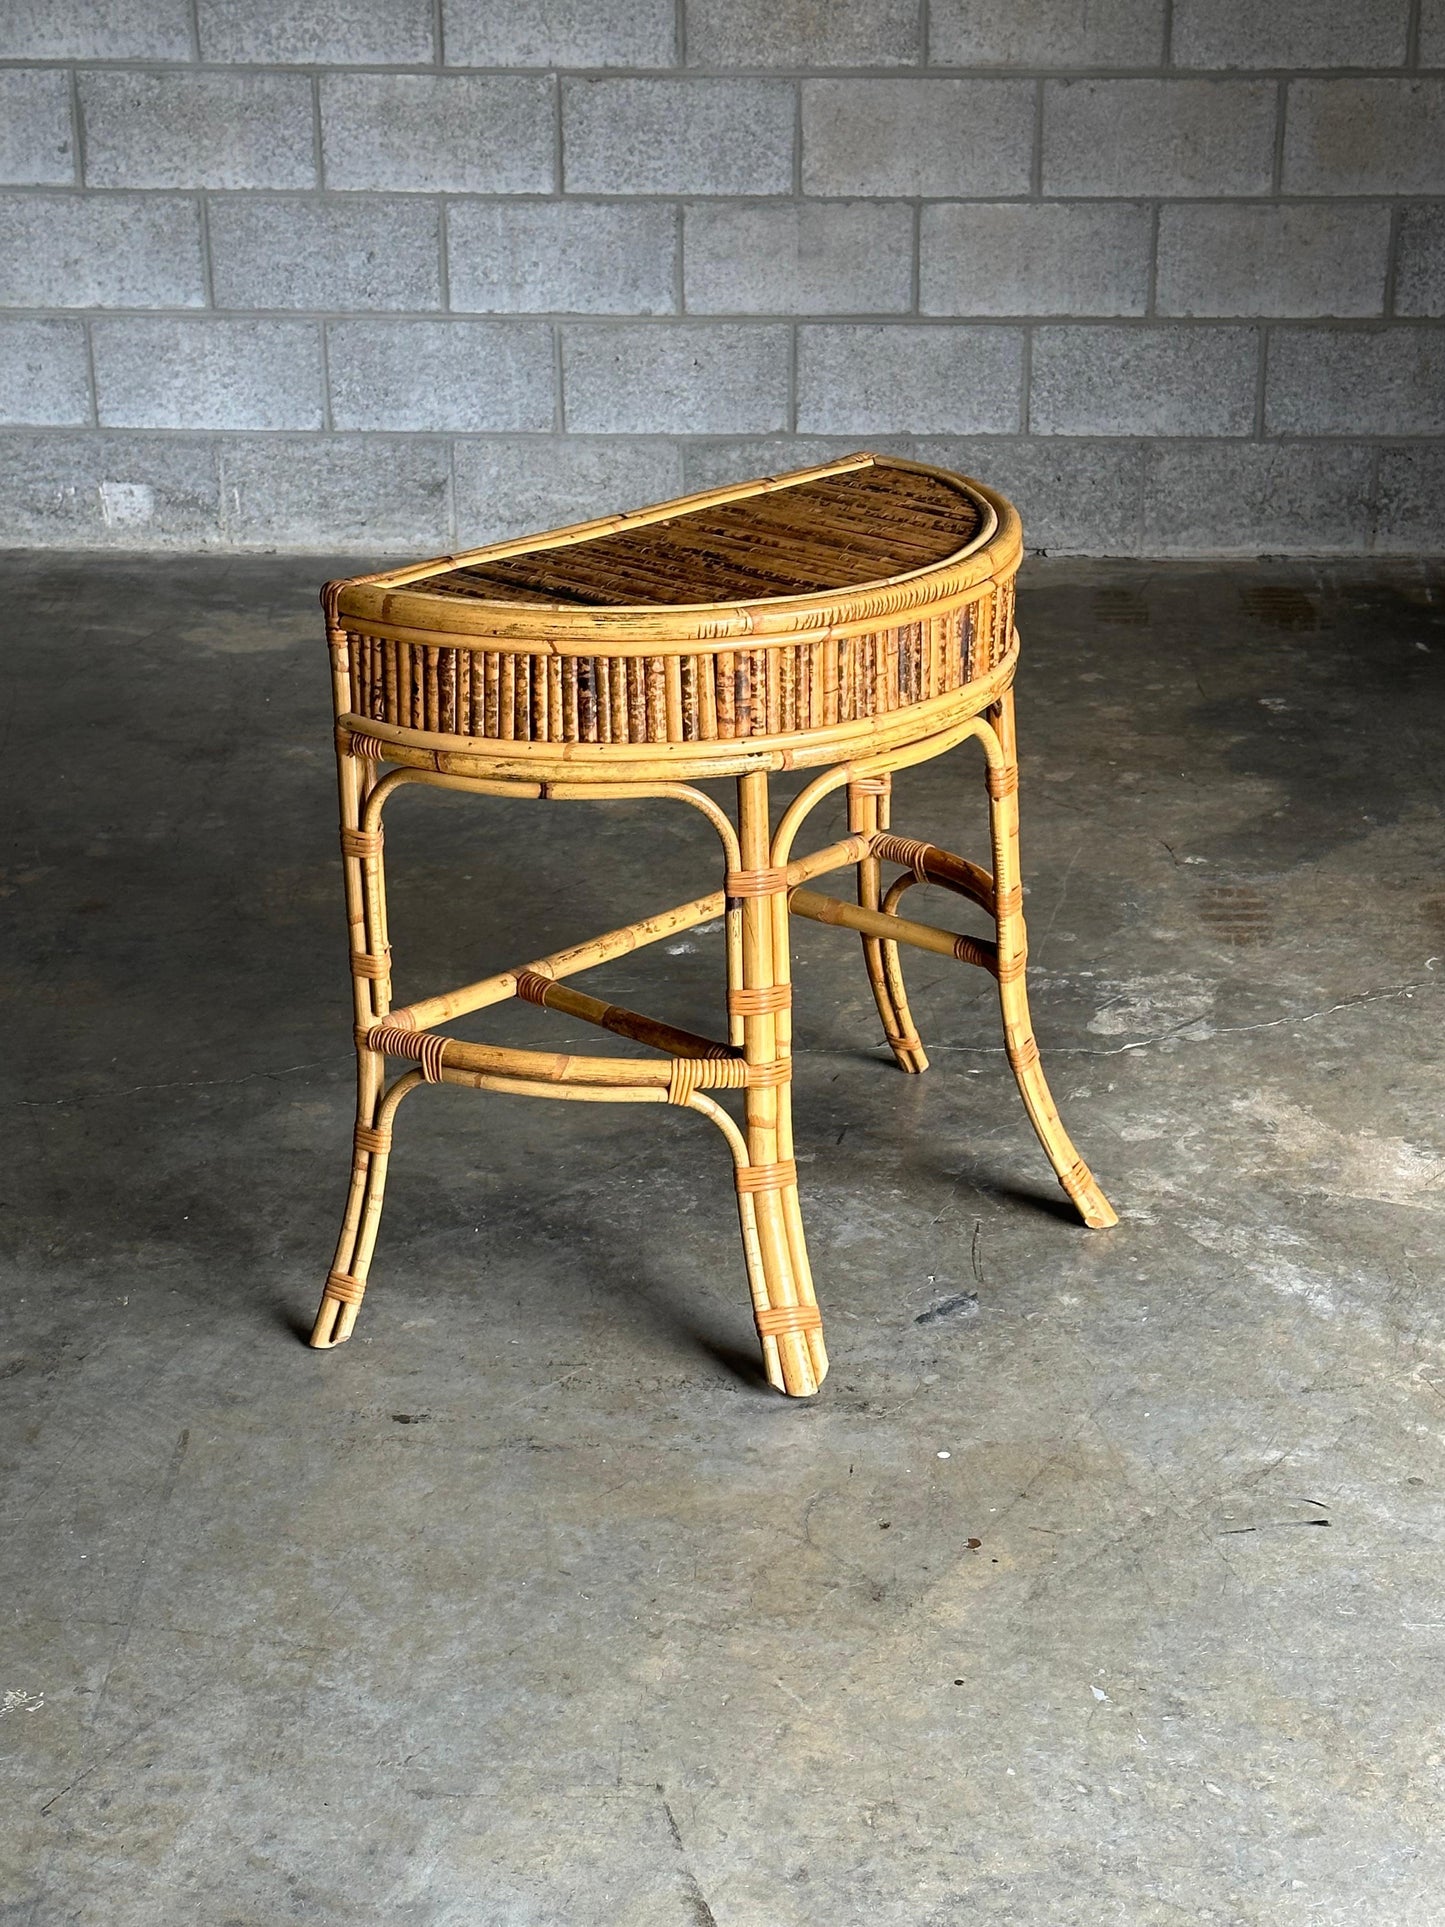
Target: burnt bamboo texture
<point>856,618</point>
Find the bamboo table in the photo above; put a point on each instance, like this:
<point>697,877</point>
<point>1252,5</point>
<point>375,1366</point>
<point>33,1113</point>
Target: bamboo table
<point>855,618</point>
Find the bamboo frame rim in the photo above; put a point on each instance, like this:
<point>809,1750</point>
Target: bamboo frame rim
<point>373,604</point>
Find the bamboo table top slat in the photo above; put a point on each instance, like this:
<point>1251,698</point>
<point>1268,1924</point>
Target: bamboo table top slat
<point>836,532</point>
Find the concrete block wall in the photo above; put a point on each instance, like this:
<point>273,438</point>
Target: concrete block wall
<point>402,274</point>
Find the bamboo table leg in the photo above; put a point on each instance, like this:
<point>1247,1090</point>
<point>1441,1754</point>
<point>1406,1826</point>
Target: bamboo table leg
<point>868,810</point>
<point>371,995</point>
<point>789,1326</point>
<point>1023,1052</point>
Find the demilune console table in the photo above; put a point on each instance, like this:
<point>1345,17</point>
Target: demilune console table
<point>854,619</point>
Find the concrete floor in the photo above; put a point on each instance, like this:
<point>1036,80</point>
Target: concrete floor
<point>1104,1581</point>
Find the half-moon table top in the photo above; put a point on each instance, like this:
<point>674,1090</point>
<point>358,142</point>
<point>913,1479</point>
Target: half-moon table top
<point>779,554</point>
<point>837,531</point>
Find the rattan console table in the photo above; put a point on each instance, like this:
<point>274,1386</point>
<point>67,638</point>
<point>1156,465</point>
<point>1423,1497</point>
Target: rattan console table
<point>855,618</point>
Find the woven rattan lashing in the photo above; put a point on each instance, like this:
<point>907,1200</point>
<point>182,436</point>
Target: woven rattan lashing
<point>855,619</point>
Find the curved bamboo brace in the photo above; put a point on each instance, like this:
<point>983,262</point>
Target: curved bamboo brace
<point>884,763</point>
<point>578,792</point>
<point>982,951</point>
<point>929,864</point>
<point>732,914</point>
<point>908,755</point>
<point>678,792</point>
<point>802,807</point>
<point>589,793</point>
<point>886,976</point>
<point>709,1107</point>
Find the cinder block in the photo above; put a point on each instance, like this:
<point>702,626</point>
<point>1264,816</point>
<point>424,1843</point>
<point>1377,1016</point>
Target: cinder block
<point>109,491</point>
<point>799,257</point>
<point>334,253</point>
<point>341,33</point>
<point>1432,33</point>
<point>1333,381</point>
<point>507,488</point>
<point>861,380</point>
<point>1410,503</point>
<point>1252,498</point>
<point>1365,137</point>
<point>1007,258</point>
<point>560,33</point>
<point>83,30</point>
<point>1046,33</point>
<point>909,137</point>
<point>1273,260</point>
<point>1075,498</point>
<point>35,140</point>
<point>1143,381</point>
<point>43,372</point>
<point>1289,33</point>
<point>100,251</point>
<point>562,257</point>
<point>448,133</point>
<point>1420,270</point>
<point>800,33</point>
<point>677,136</point>
<point>197,130</point>
<point>157,373</point>
<point>1158,137</point>
<point>706,378</point>
<point>711,464</point>
<point>337,493</point>
<point>441,374</point>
